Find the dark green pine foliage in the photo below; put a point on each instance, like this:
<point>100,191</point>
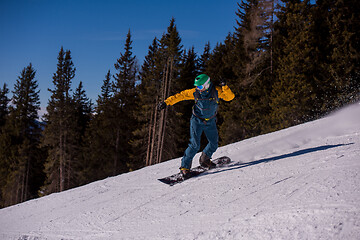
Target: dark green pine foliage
<point>123,108</point>
<point>325,88</point>
<point>60,129</point>
<point>145,137</point>
<point>159,79</point>
<point>83,108</point>
<point>4,101</point>
<point>171,43</point>
<point>248,73</point>
<point>98,148</point>
<point>4,142</point>
<point>20,143</point>
<point>293,93</point>
<point>82,116</point>
<point>188,70</point>
<point>344,43</point>
<point>256,86</point>
<point>221,62</point>
<point>171,50</point>
<point>204,58</point>
<point>252,28</point>
<point>105,96</point>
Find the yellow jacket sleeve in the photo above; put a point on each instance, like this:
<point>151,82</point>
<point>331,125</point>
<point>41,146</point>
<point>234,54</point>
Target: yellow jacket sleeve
<point>184,95</point>
<point>225,93</point>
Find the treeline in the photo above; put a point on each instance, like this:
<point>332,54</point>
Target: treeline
<point>287,62</point>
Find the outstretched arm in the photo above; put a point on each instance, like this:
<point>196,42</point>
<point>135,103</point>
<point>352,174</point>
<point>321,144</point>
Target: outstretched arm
<point>184,95</point>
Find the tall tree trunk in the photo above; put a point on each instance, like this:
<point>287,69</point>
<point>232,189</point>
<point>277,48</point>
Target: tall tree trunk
<point>68,171</point>
<point>117,147</point>
<point>27,177</point>
<point>161,123</point>
<point>161,128</point>
<point>166,94</point>
<point>153,138</point>
<point>61,167</point>
<point>152,135</point>
<point>22,181</point>
<point>149,139</point>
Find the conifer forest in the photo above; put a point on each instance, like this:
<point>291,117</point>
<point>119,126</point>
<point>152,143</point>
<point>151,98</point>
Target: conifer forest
<point>288,62</point>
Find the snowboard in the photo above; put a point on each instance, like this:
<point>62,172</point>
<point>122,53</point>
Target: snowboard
<point>178,178</point>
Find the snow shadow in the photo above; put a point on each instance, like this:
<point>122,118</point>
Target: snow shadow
<point>239,165</point>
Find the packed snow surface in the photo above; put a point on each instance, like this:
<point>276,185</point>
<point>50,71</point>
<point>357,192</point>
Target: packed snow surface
<point>299,183</point>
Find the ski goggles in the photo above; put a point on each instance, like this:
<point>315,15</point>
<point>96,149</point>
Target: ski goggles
<point>206,85</point>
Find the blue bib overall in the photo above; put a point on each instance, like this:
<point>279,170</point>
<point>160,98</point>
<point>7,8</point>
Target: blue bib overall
<point>202,120</point>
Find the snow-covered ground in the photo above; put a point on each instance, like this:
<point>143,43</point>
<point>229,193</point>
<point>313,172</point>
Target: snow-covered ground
<point>299,183</point>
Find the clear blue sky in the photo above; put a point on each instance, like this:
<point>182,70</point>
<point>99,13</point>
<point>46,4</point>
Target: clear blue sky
<point>95,31</point>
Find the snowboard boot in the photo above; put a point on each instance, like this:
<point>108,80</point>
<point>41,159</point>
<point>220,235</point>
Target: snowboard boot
<point>205,161</point>
<point>185,172</point>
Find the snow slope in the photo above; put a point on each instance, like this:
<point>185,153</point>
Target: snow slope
<point>299,183</point>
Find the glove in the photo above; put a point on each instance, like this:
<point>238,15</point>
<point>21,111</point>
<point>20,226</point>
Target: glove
<point>222,82</point>
<point>161,106</point>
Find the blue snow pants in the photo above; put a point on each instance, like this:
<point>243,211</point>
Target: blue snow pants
<point>197,127</point>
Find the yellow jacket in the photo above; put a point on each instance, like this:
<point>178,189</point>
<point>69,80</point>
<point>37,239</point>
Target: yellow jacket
<point>224,93</point>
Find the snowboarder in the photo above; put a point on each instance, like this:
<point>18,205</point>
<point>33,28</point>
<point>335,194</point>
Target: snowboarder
<point>203,118</point>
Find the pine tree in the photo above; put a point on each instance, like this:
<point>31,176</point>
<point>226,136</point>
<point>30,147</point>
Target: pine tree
<point>4,140</point>
<point>82,117</point>
<point>104,98</point>
<point>188,70</point>
<point>247,68</point>
<point>159,79</point>
<point>204,58</point>
<point>293,94</point>
<point>147,115</point>
<point>319,34</point>
<point>169,128</point>
<point>344,58</point>
<point>253,28</point>
<point>20,141</point>
<point>257,84</point>
<point>59,128</point>
<point>83,107</point>
<point>222,61</point>
<point>98,150</point>
<point>123,102</point>
<point>4,101</point>
<point>26,97</point>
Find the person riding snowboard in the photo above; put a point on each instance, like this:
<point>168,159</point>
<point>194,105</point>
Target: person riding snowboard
<point>203,119</point>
